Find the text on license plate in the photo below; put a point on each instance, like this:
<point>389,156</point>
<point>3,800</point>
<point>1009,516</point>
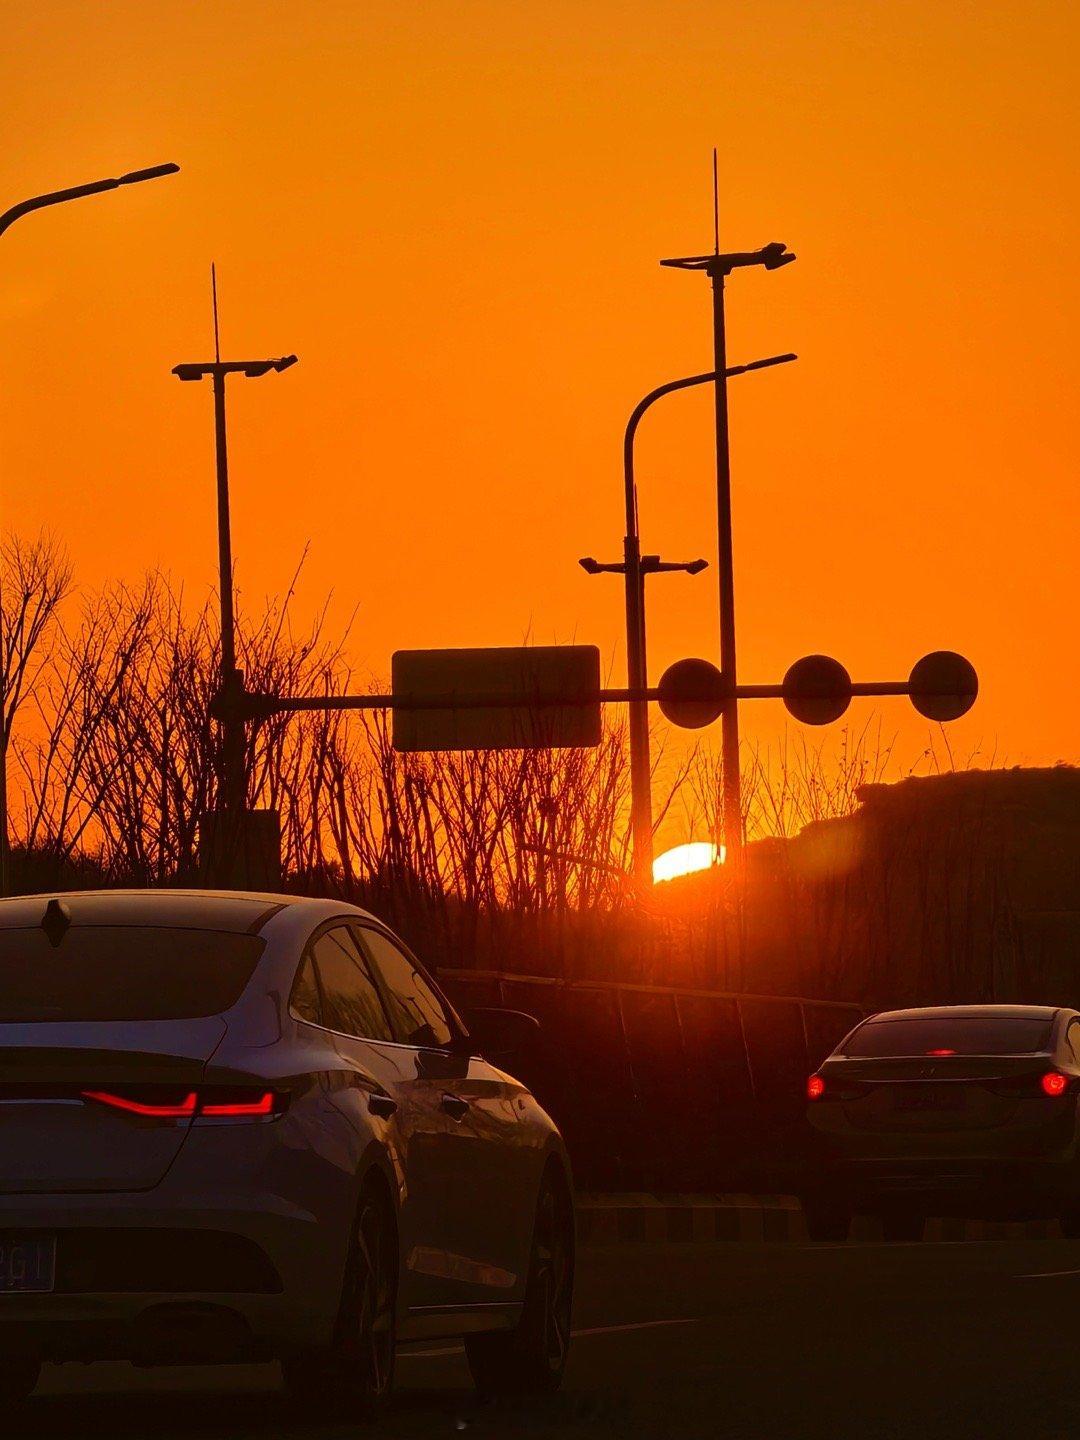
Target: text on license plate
<point>930,1097</point>
<point>27,1263</point>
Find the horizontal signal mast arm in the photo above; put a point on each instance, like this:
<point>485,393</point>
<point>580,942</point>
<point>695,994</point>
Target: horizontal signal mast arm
<point>516,702</point>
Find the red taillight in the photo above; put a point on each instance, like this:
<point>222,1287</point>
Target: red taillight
<point>211,1103</point>
<point>815,1087</point>
<point>264,1104</point>
<point>1054,1083</point>
<point>943,1051</point>
<point>176,1110</point>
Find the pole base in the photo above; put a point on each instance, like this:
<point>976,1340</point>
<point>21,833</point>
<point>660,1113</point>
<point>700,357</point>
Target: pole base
<point>240,850</point>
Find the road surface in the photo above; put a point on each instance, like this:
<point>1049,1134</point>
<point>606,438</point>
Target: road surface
<point>764,1342</point>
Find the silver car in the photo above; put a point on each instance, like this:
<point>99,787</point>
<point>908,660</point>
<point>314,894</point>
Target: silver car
<point>238,1127</point>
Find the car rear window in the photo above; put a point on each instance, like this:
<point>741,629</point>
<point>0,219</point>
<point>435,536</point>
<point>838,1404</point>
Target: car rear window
<point>130,972</point>
<point>951,1035</point>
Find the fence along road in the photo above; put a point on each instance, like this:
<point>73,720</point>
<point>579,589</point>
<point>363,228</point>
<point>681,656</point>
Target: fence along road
<point>666,1088</point>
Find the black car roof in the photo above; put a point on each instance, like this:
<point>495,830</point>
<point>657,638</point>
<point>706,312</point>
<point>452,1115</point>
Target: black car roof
<point>169,909</point>
<point>968,1012</point>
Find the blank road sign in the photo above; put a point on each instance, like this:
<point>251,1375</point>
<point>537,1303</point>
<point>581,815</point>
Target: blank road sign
<point>532,697</point>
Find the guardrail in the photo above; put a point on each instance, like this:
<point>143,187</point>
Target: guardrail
<point>665,1087</point>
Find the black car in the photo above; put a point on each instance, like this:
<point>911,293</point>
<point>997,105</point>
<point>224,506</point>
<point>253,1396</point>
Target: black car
<point>957,1110</point>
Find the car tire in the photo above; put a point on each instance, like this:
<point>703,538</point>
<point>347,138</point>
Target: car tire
<point>826,1222</point>
<point>354,1375</point>
<point>904,1225</point>
<point>531,1358</point>
<point>18,1380</point>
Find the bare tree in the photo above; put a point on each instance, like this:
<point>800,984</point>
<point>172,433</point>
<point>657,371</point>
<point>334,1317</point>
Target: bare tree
<point>35,576</point>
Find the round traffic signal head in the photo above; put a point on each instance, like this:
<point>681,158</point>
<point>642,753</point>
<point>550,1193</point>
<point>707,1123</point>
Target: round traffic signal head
<point>817,690</point>
<point>691,693</point>
<point>943,685</point>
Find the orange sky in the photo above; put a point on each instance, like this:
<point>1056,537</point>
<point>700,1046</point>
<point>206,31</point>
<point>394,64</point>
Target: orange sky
<point>453,213</point>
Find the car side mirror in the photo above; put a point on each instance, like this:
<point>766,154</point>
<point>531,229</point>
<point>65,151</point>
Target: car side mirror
<point>496,1034</point>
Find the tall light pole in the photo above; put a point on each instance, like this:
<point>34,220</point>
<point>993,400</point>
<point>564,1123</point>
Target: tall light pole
<point>7,219</point>
<point>229,704</point>
<point>632,569</point>
<point>718,267</point>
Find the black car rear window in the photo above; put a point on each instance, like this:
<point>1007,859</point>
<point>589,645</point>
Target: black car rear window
<point>951,1035</point>
<point>128,972</point>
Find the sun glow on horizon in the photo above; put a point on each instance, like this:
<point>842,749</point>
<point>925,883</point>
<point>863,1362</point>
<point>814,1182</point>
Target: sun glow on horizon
<point>686,860</point>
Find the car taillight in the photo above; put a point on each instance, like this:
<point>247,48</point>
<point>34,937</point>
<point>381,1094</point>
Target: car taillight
<point>180,1109</point>
<point>209,1102</point>
<point>815,1087</point>
<point>1032,1085</point>
<point>943,1051</point>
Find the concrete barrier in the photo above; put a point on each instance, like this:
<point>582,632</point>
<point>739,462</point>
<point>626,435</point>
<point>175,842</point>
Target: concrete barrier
<point>705,1219</point>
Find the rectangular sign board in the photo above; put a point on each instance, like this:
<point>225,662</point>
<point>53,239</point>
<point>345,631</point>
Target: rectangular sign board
<point>529,697</point>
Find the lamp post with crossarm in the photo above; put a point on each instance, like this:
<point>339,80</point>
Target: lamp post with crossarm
<point>234,784</point>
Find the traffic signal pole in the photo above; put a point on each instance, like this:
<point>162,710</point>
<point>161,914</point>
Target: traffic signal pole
<point>729,717</point>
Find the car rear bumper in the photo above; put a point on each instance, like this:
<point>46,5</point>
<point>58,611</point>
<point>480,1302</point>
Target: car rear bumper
<point>164,1278</point>
<point>975,1188</point>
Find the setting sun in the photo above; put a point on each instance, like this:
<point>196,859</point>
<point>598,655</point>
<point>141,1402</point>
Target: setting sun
<point>686,859</point>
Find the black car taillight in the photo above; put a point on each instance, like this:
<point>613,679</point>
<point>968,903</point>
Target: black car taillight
<point>831,1087</point>
<point>1033,1084</point>
<point>209,1102</point>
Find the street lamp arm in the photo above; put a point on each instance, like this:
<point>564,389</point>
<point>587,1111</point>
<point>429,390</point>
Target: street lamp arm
<point>76,192</point>
<point>636,416</point>
<point>649,400</point>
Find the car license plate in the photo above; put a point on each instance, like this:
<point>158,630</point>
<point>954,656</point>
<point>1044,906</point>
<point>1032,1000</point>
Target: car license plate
<point>27,1264</point>
<point>931,1098</point>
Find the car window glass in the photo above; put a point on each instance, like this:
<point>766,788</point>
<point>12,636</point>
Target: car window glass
<point>951,1035</point>
<point>351,1003</point>
<point>416,1011</point>
<point>122,972</point>
<point>304,1001</point>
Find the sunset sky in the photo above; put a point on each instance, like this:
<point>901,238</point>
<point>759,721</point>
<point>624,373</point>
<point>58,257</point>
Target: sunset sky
<point>453,214</point>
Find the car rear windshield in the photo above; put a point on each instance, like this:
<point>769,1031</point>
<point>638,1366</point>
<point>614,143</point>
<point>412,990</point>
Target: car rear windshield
<point>113,972</point>
<point>951,1035</point>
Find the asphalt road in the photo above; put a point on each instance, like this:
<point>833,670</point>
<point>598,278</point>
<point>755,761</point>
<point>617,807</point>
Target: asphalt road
<point>764,1342</point>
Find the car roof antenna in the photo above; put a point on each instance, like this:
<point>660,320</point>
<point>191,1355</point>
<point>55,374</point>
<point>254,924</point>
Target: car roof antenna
<point>55,921</point>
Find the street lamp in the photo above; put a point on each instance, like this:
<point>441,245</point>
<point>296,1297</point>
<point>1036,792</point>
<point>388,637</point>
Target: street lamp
<point>718,267</point>
<point>229,704</point>
<point>632,568</point>
<point>7,219</point>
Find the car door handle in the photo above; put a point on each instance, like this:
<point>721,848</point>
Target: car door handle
<point>382,1105</point>
<point>454,1106</point>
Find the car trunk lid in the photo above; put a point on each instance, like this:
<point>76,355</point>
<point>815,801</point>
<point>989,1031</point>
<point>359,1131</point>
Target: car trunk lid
<point>54,1139</point>
<point>919,1094</point>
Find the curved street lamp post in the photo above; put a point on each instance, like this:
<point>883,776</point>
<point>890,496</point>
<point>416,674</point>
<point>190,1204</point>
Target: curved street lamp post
<point>7,219</point>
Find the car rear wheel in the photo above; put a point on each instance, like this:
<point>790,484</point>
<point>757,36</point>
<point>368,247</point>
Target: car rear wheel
<point>530,1359</point>
<point>18,1380</point>
<point>355,1373</point>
